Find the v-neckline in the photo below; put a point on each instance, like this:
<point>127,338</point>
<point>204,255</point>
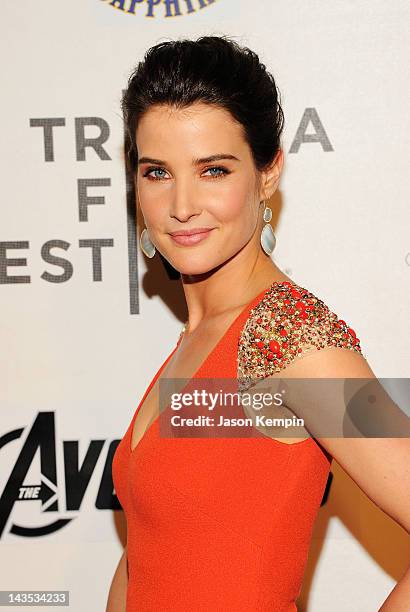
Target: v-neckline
<point>249,306</point>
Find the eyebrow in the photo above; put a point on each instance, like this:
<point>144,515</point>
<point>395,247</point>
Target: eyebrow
<point>195,162</point>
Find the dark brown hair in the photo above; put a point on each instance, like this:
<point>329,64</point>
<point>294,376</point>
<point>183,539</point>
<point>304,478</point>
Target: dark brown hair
<point>213,70</point>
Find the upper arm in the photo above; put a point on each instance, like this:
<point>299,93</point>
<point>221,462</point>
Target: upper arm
<point>353,417</point>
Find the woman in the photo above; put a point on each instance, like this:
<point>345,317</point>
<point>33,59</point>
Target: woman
<point>224,523</point>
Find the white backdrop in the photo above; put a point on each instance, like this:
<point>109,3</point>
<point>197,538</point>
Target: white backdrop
<point>80,307</point>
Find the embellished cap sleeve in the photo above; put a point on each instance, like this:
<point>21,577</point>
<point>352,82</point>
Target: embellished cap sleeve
<point>287,323</point>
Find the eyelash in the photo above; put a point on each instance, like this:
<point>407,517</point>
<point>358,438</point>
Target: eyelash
<point>153,178</point>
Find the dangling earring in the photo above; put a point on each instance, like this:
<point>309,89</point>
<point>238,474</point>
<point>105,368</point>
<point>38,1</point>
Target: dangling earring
<point>268,240</point>
<point>147,247</point>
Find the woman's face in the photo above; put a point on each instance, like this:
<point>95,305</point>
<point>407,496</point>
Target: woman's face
<point>181,188</point>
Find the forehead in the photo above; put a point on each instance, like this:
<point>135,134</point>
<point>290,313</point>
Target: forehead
<point>198,125</point>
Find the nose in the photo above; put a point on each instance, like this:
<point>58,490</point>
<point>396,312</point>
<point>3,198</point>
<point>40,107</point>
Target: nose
<point>184,202</point>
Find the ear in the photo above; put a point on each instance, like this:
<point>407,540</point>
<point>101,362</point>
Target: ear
<point>270,176</point>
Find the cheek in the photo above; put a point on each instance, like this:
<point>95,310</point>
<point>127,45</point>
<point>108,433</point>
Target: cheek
<point>150,202</point>
<point>236,205</point>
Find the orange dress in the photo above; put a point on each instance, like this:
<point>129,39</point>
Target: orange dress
<point>225,523</point>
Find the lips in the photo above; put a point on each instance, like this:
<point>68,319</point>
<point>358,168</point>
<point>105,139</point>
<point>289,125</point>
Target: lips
<point>191,237</point>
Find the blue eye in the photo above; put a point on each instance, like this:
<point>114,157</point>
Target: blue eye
<point>155,178</point>
<point>222,171</point>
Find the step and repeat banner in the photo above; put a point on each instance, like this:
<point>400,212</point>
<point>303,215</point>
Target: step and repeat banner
<point>86,320</point>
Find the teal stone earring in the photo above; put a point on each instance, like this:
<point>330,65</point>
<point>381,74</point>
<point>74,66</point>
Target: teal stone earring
<point>268,240</point>
<point>147,247</point>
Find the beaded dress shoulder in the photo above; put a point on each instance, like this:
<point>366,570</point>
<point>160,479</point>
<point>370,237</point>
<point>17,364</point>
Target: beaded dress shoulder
<point>287,323</point>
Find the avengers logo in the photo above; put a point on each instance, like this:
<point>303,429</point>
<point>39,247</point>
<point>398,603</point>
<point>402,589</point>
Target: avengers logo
<point>165,8</point>
<point>45,490</point>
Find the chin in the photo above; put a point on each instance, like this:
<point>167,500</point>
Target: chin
<point>191,266</point>
<point>190,269</point>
